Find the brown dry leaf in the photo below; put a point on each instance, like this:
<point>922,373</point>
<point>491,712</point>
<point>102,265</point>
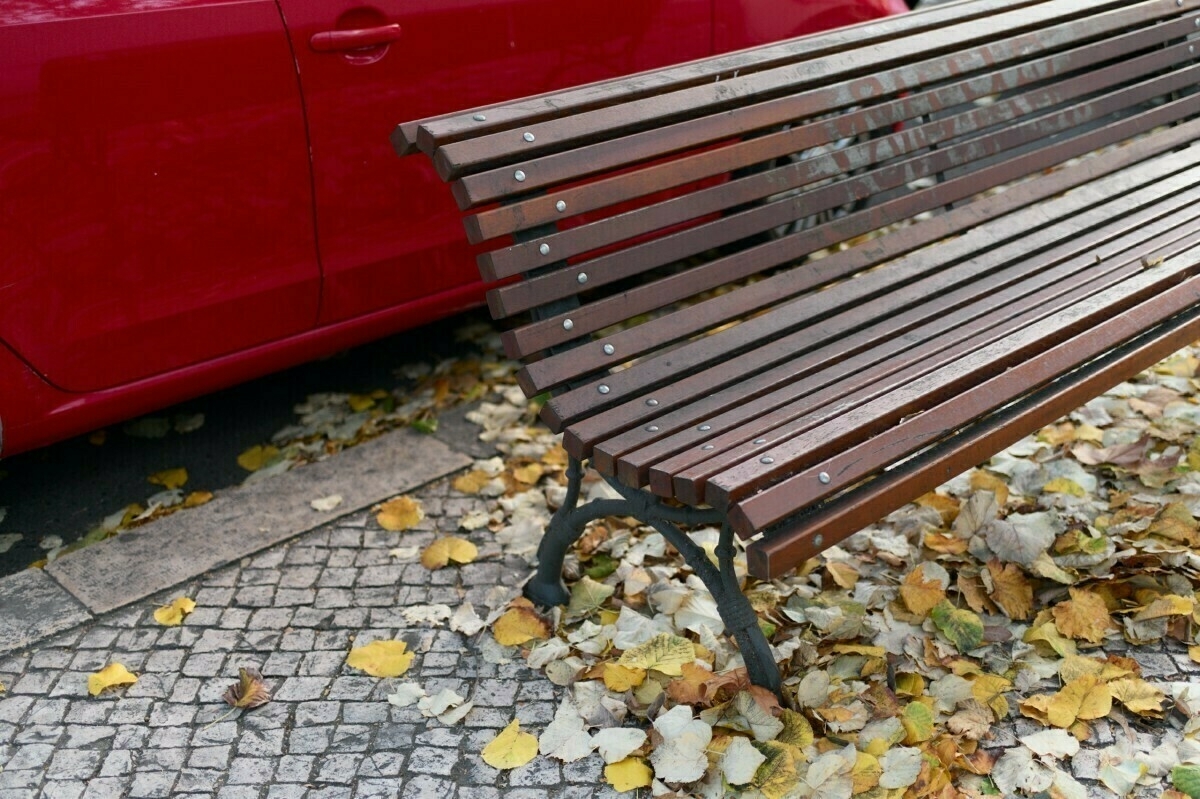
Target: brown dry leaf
<point>1083,617</point>
<point>920,594</point>
<point>173,614</point>
<point>690,687</point>
<point>248,692</point>
<point>973,721</point>
<point>946,507</point>
<point>1011,590</point>
<point>1176,523</point>
<point>443,551</point>
<point>521,624</point>
<point>399,514</point>
<point>110,676</point>
<point>381,658</point>
<point>169,478</point>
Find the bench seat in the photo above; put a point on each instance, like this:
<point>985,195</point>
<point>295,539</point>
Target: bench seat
<point>796,287</point>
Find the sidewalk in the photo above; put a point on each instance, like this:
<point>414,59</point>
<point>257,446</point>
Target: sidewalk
<point>293,610</point>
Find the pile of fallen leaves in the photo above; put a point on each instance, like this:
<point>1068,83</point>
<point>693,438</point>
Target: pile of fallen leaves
<point>1024,588</point>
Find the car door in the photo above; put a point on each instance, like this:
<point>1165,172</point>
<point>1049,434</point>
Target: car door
<point>388,231</point>
<point>155,194</point>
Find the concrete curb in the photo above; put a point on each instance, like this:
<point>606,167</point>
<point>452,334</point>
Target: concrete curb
<point>238,522</point>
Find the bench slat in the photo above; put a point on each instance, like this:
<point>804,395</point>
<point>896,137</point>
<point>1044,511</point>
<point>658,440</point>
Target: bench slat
<point>783,548</point>
<point>1097,329</point>
<point>455,159</point>
<point>591,196</point>
<point>686,476</point>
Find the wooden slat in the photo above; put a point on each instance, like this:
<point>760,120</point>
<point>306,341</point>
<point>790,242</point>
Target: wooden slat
<point>703,202</point>
<point>446,128</point>
<point>804,535</point>
<point>455,159</point>
<point>1096,329</point>
<point>607,191</point>
<point>686,476</point>
<point>656,371</point>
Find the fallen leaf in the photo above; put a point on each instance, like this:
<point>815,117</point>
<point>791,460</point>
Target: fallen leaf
<point>399,514</point>
<point>1011,591</point>
<point>1084,616</point>
<point>620,678</point>
<point>962,627</point>
<point>1186,778</point>
<point>617,743</point>
<point>381,658</point>
<point>521,624</point>
<point>629,774</point>
<point>740,761</point>
<point>1138,696</point>
<point>1054,743</point>
<point>443,551</point>
<point>326,504</point>
<point>197,498</point>
<point>1017,770</point>
<point>587,595</point>
<point>565,738</point>
<point>917,720</point>
<point>406,694</point>
<point>510,748</point>
<point>112,675</point>
<point>173,614</point>
<point>921,593</point>
<point>169,478</point>
<point>664,652</point>
<point>257,457</point>
<point>248,692</point>
<point>681,755</point>
<point>901,767</point>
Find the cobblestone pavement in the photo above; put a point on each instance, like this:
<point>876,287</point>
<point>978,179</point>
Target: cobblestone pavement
<point>294,611</point>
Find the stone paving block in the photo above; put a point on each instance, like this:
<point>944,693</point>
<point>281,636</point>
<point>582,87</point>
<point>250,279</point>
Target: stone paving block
<point>240,792</point>
<point>62,789</point>
<point>424,786</point>
<point>106,788</point>
<point>34,606</point>
<point>261,743</point>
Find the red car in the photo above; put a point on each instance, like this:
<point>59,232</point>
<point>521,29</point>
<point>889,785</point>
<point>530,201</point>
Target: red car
<point>195,192</point>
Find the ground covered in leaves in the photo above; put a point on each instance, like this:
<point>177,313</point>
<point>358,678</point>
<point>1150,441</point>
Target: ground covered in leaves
<point>1026,588</point>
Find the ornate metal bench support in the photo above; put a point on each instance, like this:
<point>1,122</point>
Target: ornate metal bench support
<point>741,622</point>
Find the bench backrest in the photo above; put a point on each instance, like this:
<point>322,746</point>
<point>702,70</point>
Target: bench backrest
<point>608,205</point>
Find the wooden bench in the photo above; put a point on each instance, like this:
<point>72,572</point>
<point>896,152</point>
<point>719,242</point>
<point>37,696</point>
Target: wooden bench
<point>790,289</point>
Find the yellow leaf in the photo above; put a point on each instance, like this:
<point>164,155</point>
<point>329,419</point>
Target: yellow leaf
<point>169,478</point>
<point>865,773</point>
<point>1064,485</point>
<point>1043,630</point>
<point>248,692</point>
<point>946,507</point>
<point>963,628</point>
<point>1083,698</point>
<point>111,675</point>
<point>986,481</point>
<point>510,748</point>
<point>843,574</point>
<point>257,457</point>
<point>910,684</point>
<point>197,498</point>
<point>1138,696</point>
<point>444,550</point>
<point>917,719</point>
<point>989,689</point>
<point>628,774</point>
<point>399,514</point>
<point>173,614</point>
<point>1194,653</point>
<point>621,678</point>
<point>381,658</point>
<point>797,731</point>
<point>1169,605</point>
<point>664,652</point>
<point>360,402</point>
<point>921,595</point>
<point>472,482</point>
<point>519,625</point>
<point>529,474</point>
<point>1084,616</point>
<point>777,777</point>
<point>1076,666</point>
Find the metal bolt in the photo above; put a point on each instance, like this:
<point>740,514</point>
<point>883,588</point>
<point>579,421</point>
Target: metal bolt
<point>823,477</point>
<point>651,402</point>
<point>581,277</point>
<point>529,136</point>
<point>760,441</point>
<point>704,428</point>
<point>818,539</point>
<point>707,446</point>
<point>609,349</point>
<point>544,249</point>
<point>519,175</point>
<point>1179,3</point>
<point>603,389</point>
<point>568,324</point>
<point>766,459</point>
<point>651,428</point>
<point>479,118</point>
<point>560,206</point>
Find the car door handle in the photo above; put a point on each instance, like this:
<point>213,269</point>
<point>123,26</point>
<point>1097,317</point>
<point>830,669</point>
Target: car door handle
<point>355,39</point>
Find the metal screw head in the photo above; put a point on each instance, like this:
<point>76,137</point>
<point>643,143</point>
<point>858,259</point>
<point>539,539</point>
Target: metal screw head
<point>704,427</point>
<point>529,136</point>
<point>544,249</point>
<point>651,402</point>
<point>651,428</point>
<point>707,446</point>
<point>519,175</point>
<point>766,459</point>
<point>823,477</point>
<point>760,441</point>
<point>603,389</point>
<point>1179,2</point>
<point>568,324</point>
<point>818,540</point>
<point>560,206</point>
<point>609,349</point>
<point>581,277</point>
<point>479,118</point>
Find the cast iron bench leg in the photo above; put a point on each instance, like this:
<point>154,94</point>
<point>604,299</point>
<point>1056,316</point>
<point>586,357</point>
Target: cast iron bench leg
<point>547,588</point>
